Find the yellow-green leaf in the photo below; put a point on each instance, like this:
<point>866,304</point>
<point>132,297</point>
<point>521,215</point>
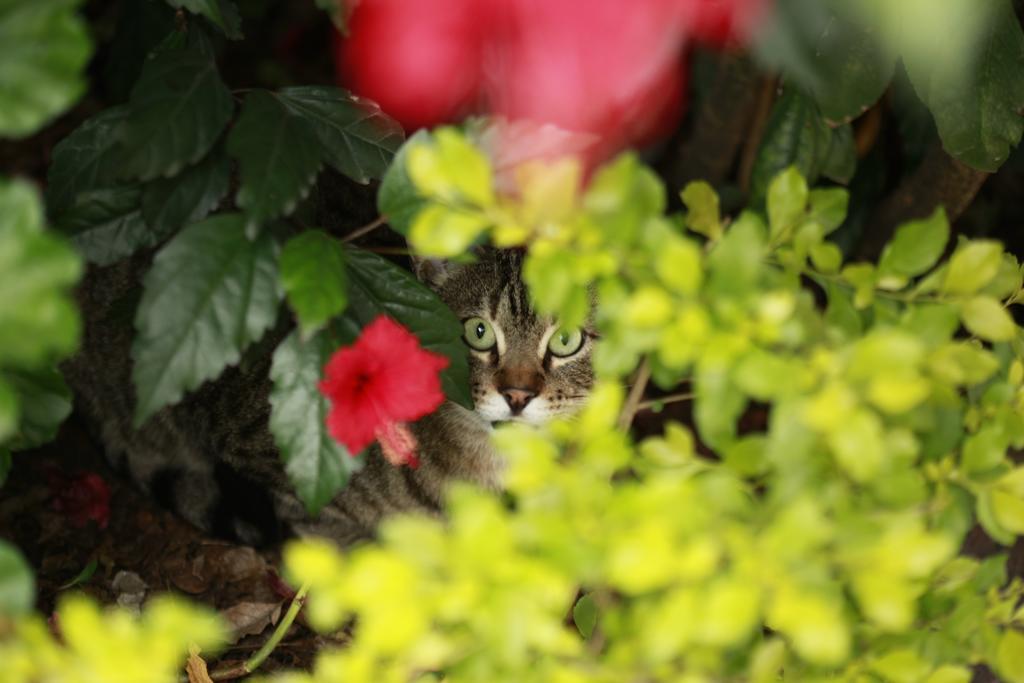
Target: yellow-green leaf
<point>972,266</point>
<point>986,317</point>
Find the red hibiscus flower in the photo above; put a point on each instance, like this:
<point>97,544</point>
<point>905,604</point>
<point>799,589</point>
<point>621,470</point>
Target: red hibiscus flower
<point>377,385</point>
<point>605,68</point>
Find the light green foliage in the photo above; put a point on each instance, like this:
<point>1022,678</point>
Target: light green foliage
<point>914,249</point>
<point>703,216</point>
<point>43,49</point>
<point>457,179</point>
<point>109,645</point>
<point>17,585</point>
<point>836,525</point>
<point>398,200</point>
<point>38,322</point>
<point>312,273</point>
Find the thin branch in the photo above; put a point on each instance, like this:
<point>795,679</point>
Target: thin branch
<point>868,129</point>
<point>636,392</point>
<point>665,400</point>
<point>254,662</point>
<point>389,251</point>
<point>365,230</point>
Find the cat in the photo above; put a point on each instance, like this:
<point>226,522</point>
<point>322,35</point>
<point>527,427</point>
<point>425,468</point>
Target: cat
<point>212,459</point>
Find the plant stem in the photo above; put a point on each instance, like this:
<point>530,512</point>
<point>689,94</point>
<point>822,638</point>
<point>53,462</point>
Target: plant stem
<point>368,228</point>
<point>254,662</point>
<point>636,392</point>
<point>664,400</point>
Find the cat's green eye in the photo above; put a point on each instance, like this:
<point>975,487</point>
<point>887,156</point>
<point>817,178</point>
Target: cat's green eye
<point>479,334</point>
<point>565,342</point>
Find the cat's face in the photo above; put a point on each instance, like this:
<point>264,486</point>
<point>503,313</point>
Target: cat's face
<point>522,366</point>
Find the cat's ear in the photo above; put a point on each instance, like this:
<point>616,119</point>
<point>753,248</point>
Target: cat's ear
<point>433,272</point>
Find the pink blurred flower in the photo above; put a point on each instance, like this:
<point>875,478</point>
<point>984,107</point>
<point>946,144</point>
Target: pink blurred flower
<point>606,68</point>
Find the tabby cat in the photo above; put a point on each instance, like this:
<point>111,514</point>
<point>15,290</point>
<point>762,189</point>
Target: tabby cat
<point>212,459</point>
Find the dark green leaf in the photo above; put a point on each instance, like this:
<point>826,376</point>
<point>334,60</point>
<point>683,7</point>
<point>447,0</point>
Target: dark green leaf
<point>178,109</point>
<point>10,411</point>
<point>45,402</point>
<point>338,12</point>
<point>222,13</point>
<point>5,464</point>
<point>106,225</point>
<point>317,465</point>
<point>856,71</point>
<point>840,160</point>
<point>169,204</point>
<point>796,135</point>
<point>584,615</point>
<point>914,122</point>
<point>398,198</point>
<point>978,113</point>
<point>313,278</point>
<point>278,156</point>
<point>84,160</point>
<point>44,47</point>
<point>378,286</point>
<point>141,26</point>
<point>17,585</point>
<point>210,293</point>
<point>358,139</point>
<point>38,321</point>
<point>788,39</point>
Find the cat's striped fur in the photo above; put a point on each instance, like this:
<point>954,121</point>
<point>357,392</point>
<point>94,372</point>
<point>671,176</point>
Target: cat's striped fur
<point>212,459</point>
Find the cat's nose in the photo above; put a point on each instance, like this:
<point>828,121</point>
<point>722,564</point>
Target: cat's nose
<point>517,399</point>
